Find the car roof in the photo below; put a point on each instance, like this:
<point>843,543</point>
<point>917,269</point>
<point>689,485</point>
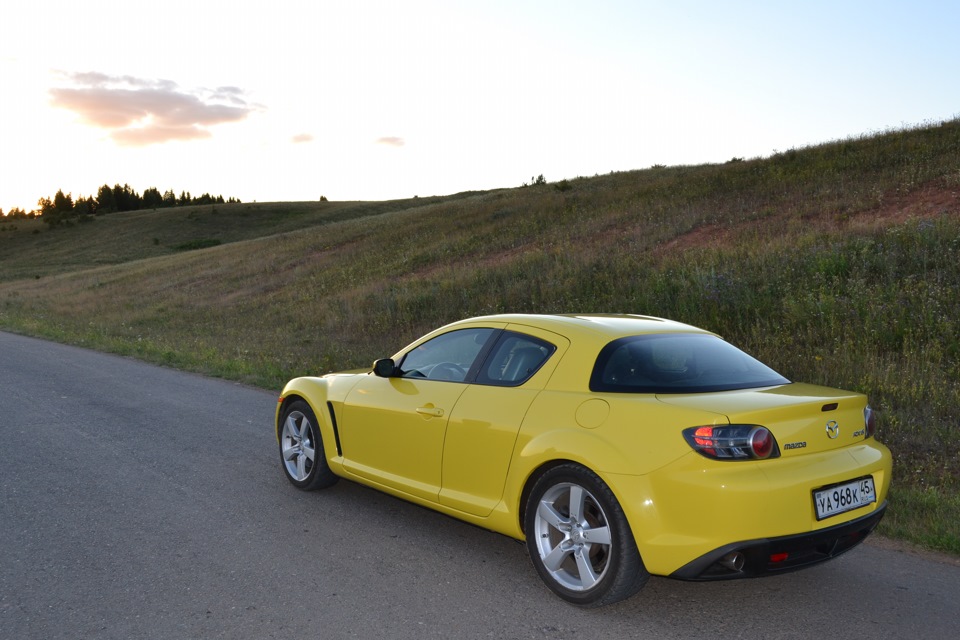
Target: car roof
<point>592,327</point>
<point>585,335</point>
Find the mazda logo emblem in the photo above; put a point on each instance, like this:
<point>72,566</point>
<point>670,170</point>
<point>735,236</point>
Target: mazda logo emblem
<point>833,429</point>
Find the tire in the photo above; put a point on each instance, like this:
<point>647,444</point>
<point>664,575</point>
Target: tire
<point>301,449</point>
<point>579,539</point>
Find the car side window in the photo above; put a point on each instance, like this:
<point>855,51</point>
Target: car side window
<point>514,360</point>
<point>446,357</point>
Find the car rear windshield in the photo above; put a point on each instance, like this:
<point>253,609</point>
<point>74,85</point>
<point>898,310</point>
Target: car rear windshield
<point>678,363</point>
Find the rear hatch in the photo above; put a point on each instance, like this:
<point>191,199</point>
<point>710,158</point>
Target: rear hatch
<point>803,418</point>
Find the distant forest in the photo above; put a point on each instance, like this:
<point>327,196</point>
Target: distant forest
<point>110,200</point>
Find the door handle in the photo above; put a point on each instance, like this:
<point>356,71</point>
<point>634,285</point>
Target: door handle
<point>434,412</point>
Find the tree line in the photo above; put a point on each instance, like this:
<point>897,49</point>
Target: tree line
<point>63,207</point>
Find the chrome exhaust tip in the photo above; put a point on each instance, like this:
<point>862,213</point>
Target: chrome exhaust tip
<point>733,561</point>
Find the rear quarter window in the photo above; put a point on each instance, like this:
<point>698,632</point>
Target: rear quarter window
<point>514,360</point>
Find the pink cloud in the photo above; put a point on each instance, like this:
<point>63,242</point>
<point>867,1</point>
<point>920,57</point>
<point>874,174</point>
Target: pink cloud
<point>153,134</point>
<point>140,112</point>
<point>301,138</point>
<point>391,141</point>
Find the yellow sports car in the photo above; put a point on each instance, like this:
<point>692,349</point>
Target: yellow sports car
<point>617,446</point>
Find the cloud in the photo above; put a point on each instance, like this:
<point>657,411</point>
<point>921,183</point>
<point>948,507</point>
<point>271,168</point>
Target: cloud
<point>140,112</point>
<point>391,141</point>
<point>143,136</point>
<point>301,138</point>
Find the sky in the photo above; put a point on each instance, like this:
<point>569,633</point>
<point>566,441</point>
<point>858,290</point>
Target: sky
<point>292,100</point>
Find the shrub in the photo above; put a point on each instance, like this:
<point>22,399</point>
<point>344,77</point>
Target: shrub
<point>202,243</point>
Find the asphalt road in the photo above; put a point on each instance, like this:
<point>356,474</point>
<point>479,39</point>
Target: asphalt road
<point>142,502</point>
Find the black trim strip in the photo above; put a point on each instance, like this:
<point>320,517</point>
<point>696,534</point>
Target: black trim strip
<point>801,551</point>
<point>336,429</point>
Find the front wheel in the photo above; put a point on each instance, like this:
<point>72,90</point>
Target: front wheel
<point>301,448</point>
<point>579,539</point>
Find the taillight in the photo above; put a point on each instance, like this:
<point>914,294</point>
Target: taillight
<point>733,442</point>
<point>869,421</point>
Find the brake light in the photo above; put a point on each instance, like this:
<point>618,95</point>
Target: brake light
<point>733,442</point>
<point>761,442</point>
<point>869,421</point>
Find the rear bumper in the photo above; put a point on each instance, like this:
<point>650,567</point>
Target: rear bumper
<point>769,556</point>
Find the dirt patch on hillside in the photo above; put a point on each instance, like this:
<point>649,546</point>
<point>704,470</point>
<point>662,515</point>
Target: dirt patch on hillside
<point>928,202</point>
<point>708,235</point>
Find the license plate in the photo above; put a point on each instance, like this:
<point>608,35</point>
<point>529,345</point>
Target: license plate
<point>846,496</point>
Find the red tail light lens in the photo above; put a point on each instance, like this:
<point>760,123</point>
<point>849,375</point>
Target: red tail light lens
<point>761,442</point>
<point>869,421</point>
<point>733,442</point>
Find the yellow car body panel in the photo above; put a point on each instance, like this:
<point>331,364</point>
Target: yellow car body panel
<point>472,451</point>
<point>691,508</point>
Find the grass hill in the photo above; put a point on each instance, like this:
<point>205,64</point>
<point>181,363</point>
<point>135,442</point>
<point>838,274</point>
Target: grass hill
<point>836,264</point>
<point>26,252</point>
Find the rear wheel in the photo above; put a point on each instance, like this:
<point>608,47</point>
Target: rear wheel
<point>301,448</point>
<point>579,539</point>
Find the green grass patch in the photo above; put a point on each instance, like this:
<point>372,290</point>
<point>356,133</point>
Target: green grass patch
<point>929,517</point>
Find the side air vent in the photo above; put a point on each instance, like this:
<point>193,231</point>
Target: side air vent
<point>336,429</point>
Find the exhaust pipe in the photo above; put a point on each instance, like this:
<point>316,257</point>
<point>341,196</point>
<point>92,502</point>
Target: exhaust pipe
<point>733,561</point>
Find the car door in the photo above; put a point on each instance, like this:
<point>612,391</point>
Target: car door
<point>393,428</point>
<point>482,430</point>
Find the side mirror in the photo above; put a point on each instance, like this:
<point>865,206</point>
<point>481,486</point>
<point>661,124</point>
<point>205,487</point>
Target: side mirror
<point>384,368</point>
